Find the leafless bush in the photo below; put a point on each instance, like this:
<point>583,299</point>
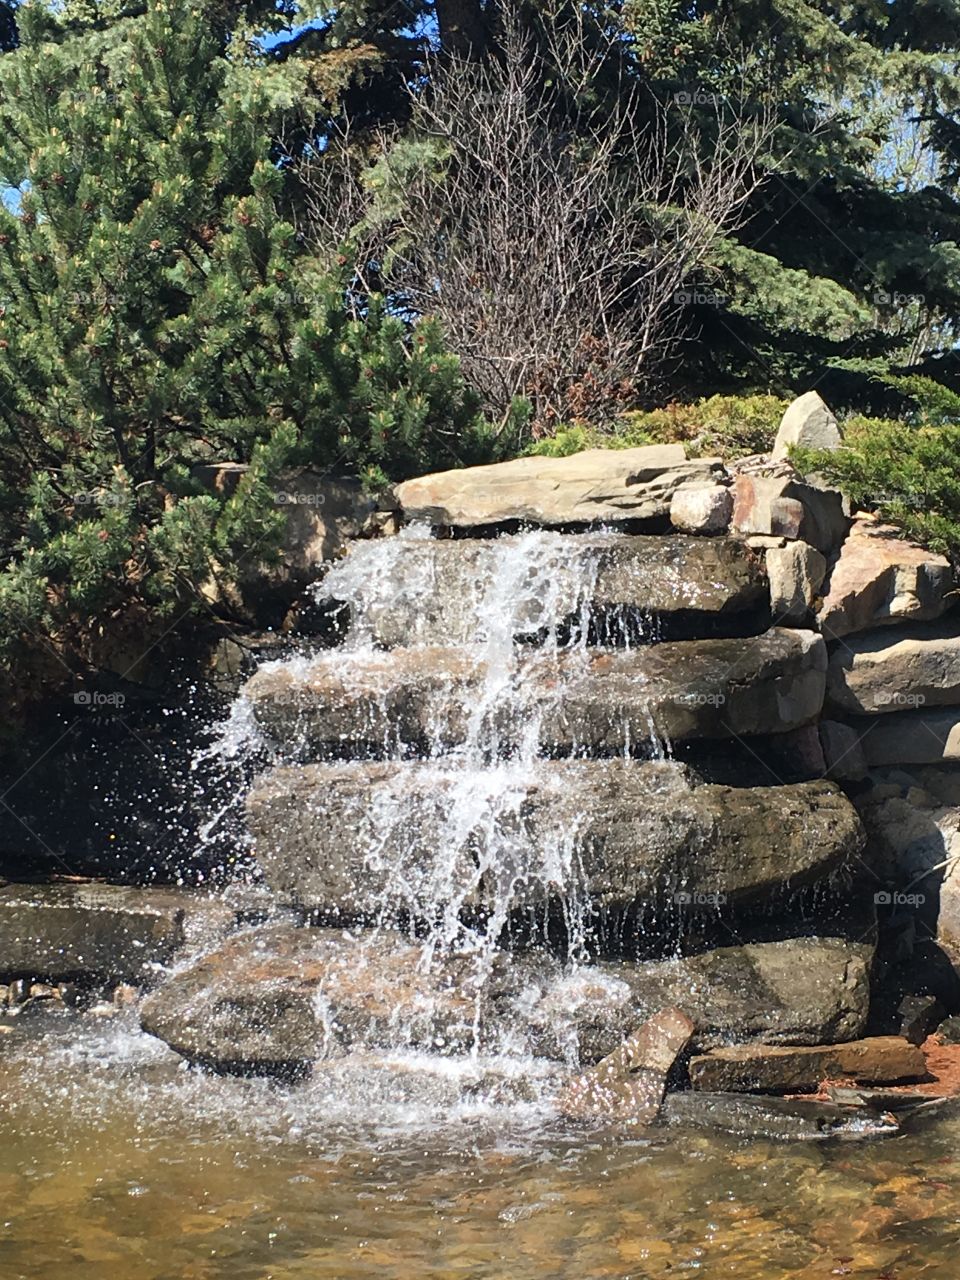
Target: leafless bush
<point>550,232</point>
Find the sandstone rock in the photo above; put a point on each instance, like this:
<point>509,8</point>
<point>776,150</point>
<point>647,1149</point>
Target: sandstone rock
<point>797,991</point>
<point>704,510</point>
<point>779,507</point>
<point>842,751</point>
<point>807,423</point>
<point>58,931</point>
<point>896,670</point>
<point>419,590</point>
<point>628,1085</point>
<point>593,486</point>
<point>881,579</point>
<point>796,572</point>
<point>273,999</point>
<point>763,1068</point>
<point>430,699</point>
<point>401,836</point>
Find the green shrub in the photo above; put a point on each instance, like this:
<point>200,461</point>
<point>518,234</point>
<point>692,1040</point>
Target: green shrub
<point>719,426</point>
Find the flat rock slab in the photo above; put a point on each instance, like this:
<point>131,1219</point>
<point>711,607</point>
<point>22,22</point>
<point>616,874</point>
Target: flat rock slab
<point>780,1119</point>
<point>119,931</point>
<point>412,590</point>
<point>431,700</point>
<point>799,991</point>
<point>897,670</point>
<point>880,579</point>
<point>405,836</point>
<point>628,1085</point>
<point>592,486</point>
<point>762,1068</point>
<point>275,998</point>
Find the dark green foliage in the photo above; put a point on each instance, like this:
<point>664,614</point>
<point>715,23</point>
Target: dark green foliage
<point>908,471</point>
<point>720,426</point>
<point>158,312</point>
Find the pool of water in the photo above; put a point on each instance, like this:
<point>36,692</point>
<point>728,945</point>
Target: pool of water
<point>119,1163</point>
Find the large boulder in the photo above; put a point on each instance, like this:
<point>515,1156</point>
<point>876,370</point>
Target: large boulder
<point>881,579</point>
<point>276,998</point>
<point>409,836</point>
<point>807,424</point>
<point>111,931</point>
<point>433,700</point>
<point>273,999</point>
<point>896,670</point>
<point>798,991</point>
<point>597,485</point>
<point>419,590</point>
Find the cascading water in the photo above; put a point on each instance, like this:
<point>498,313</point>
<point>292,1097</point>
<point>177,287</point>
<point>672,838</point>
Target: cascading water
<point>521,631</point>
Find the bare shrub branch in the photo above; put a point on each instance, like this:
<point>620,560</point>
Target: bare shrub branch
<point>549,230</point>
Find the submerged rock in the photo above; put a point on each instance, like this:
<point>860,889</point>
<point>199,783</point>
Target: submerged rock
<point>797,991</point>
<point>628,1084</point>
<point>593,486</point>
<point>418,836</point>
<point>116,931</point>
<point>414,590</point>
<point>777,1118</point>
<point>764,1068</point>
<point>436,699</point>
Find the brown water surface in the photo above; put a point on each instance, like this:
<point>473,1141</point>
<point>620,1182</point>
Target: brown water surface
<point>119,1163</point>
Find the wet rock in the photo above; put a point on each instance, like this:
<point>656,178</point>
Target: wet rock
<point>405,836</point>
<point>778,1118</point>
<point>763,1068</point>
<point>796,572</point>
<point>628,1085</point>
<point>807,424</point>
<point>702,510</point>
<point>896,670</point>
<point>593,486</point>
<point>424,591</point>
<point>429,699</point>
<point>798,991</point>
<point>780,506</point>
<point>881,579</point>
<point>63,930</point>
<point>275,998</point>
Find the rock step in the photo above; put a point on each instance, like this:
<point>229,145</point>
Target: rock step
<point>421,590</point>
<point>764,1068</point>
<point>273,999</point>
<point>114,931</point>
<point>432,699</point>
<point>592,486</point>
<point>410,835</point>
<point>897,669</point>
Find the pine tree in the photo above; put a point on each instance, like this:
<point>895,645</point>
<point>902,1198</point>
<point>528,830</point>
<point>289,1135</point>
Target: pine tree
<point>158,311</point>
